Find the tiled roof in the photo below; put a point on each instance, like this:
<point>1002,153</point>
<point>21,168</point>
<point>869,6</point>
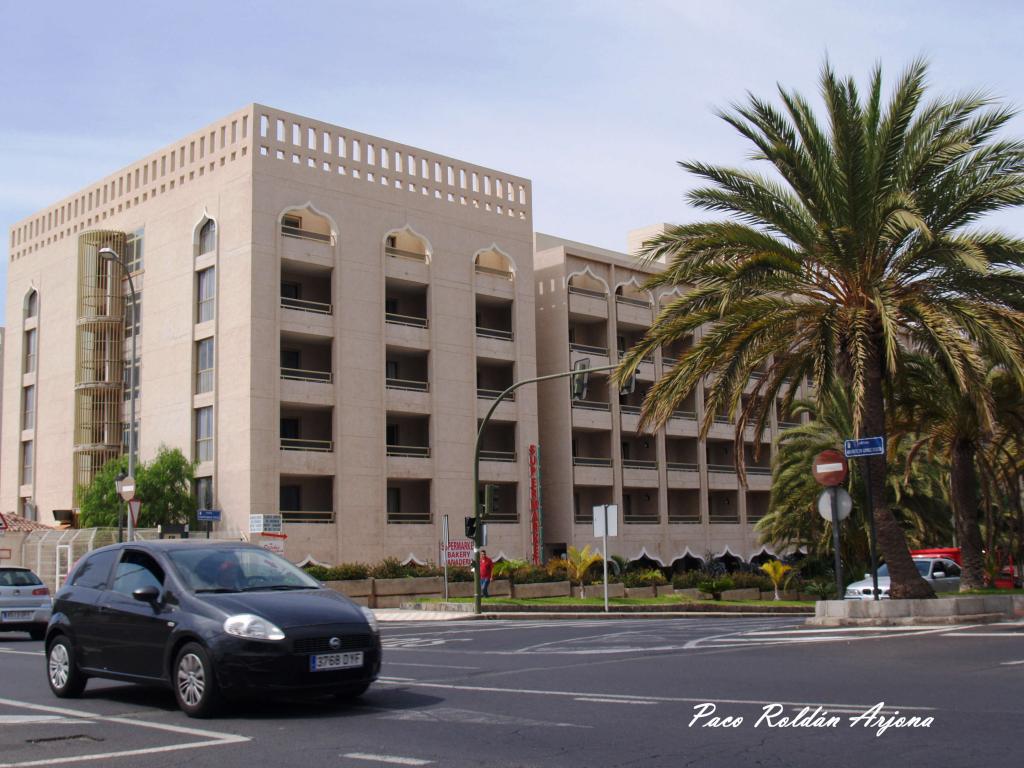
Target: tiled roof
<point>18,524</point>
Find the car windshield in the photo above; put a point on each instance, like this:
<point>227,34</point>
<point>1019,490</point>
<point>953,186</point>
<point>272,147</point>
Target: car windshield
<point>922,568</point>
<point>237,569</point>
<point>11,577</point>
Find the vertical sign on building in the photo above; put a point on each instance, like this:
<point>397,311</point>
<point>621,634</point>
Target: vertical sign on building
<point>535,532</point>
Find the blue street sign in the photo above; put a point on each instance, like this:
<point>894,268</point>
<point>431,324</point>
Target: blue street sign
<point>209,515</point>
<point>866,446</point>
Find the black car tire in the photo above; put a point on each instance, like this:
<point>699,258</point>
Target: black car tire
<point>351,693</point>
<point>62,672</point>
<point>37,633</point>
<point>195,682</point>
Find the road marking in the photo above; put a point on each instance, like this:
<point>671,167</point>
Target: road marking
<point>41,719</point>
<point>1011,663</point>
<point>613,701</point>
<point>958,633</point>
<point>470,716</point>
<point>393,759</point>
<point>432,666</point>
<point>213,738</point>
<point>21,653</point>
<point>627,697</point>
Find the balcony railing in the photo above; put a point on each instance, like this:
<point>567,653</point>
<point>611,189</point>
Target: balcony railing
<point>591,405</point>
<point>412,451</point>
<point>307,516</point>
<point>305,234</point>
<point>754,470</point>
<point>690,415</point>
<point>508,456</point>
<point>683,466</point>
<point>298,374</point>
<point>505,274</point>
<point>684,516</point>
<point>639,464</point>
<point>630,409</point>
<point>722,469</point>
<point>495,333</point>
<point>633,302</point>
<point>588,292</point>
<point>300,444</point>
<point>758,375</point>
<point>588,349</point>
<point>646,359</point>
<point>587,461</point>
<point>724,518</point>
<point>317,307</point>
<point>641,518</point>
<point>670,361</point>
<point>720,419</point>
<point>491,394</point>
<point>409,384</point>
<point>788,424</point>
<point>398,253</point>
<point>396,319</point>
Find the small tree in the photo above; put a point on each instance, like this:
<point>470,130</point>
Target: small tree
<point>99,502</point>
<point>579,563</point>
<point>776,572</point>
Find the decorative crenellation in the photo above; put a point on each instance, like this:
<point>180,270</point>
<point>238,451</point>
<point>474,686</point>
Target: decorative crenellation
<point>339,152</point>
<point>197,155</point>
<point>301,141</point>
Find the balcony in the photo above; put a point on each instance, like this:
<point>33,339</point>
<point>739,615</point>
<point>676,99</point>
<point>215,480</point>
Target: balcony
<point>632,311</point>
<point>586,498</point>
<point>413,321</point>
<point>305,359</point>
<point>494,333</point>
<point>591,414</point>
<point>305,305</point>
<point>306,234</point>
<point>684,507</point>
<point>409,451</point>
<point>640,506</point>
<point>408,502</point>
<point>406,257</point>
<point>300,374</point>
<point>306,499</point>
<point>410,385</point>
<point>306,238</point>
<point>399,253</point>
<point>723,508</point>
<point>494,273</point>
<point>301,444</point>
<point>505,456</point>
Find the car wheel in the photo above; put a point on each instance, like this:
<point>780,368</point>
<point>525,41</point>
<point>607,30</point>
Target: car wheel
<point>37,633</point>
<point>66,680</point>
<point>351,693</point>
<point>195,684</point>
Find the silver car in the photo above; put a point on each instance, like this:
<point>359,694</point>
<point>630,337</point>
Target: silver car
<point>25,602</point>
<point>941,573</point>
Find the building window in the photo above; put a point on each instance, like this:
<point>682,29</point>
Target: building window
<point>30,351</point>
<point>290,498</point>
<point>26,462</point>
<point>126,437</point>
<point>394,502</point>
<point>207,286</point>
<point>31,305</point>
<point>204,366</point>
<point>204,434</point>
<point>133,251</point>
<point>204,492</point>
<point>132,314</point>
<point>208,237</point>
<point>28,410</point>
<point>128,379</point>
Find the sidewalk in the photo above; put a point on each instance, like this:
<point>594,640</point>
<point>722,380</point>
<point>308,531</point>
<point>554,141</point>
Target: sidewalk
<point>402,614</point>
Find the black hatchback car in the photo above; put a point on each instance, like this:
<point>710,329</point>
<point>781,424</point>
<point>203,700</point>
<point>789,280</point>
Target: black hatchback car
<point>209,620</point>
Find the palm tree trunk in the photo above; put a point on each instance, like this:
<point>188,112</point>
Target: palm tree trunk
<point>904,580</point>
<point>964,495</point>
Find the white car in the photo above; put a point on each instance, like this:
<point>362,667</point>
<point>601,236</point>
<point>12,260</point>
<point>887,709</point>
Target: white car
<point>943,574</point>
<point>25,602</point>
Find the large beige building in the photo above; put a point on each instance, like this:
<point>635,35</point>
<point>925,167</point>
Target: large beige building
<point>322,319</point>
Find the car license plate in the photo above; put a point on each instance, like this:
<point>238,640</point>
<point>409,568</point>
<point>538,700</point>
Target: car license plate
<point>15,615</point>
<point>325,661</point>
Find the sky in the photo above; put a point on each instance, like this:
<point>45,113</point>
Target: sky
<point>594,101</point>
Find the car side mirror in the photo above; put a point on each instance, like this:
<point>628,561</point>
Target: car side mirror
<point>939,575</point>
<point>147,594</point>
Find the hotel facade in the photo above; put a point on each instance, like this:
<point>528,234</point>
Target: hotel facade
<point>322,318</point>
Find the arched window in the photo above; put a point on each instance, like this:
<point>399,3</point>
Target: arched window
<point>31,304</point>
<point>208,237</point>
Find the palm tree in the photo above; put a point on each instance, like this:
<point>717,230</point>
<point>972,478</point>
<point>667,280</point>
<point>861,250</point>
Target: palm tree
<point>966,430</point>
<point>918,500</point>
<point>578,564</point>
<point>776,572</point>
<point>858,247</point>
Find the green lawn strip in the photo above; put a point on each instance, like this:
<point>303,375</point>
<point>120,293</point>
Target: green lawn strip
<point>976,592</point>
<point>666,600</point>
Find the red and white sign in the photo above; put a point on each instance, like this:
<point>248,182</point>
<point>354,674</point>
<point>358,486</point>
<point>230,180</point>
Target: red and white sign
<point>534,505</point>
<point>829,468</point>
<point>273,542</point>
<point>134,507</point>
<point>460,552</point>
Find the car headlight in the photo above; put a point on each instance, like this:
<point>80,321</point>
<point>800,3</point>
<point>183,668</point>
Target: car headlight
<point>371,619</point>
<point>252,627</point>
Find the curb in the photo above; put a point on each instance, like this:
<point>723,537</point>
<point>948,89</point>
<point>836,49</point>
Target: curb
<point>907,621</point>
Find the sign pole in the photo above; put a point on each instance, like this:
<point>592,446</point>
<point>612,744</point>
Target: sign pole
<point>604,559</point>
<point>444,553</point>
<point>871,523</point>
<point>835,543</point>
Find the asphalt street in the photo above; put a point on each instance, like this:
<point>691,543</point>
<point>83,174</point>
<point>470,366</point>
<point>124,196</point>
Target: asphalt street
<point>583,693</point>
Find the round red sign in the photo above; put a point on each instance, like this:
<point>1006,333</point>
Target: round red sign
<point>829,468</point>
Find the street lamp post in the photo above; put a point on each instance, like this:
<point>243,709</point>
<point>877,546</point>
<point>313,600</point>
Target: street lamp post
<point>111,255</point>
<point>476,463</point>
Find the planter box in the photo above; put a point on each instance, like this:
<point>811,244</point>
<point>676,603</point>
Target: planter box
<point>497,588</point>
<point>413,585</point>
<point>664,591</point>
<point>359,590</point>
<point>547,589</point>
<point>741,594</point>
<point>597,590</point>
<point>691,592</point>
<point>396,601</point>
<point>639,591</point>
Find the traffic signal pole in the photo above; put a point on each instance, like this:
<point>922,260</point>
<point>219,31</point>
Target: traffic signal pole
<point>477,512</point>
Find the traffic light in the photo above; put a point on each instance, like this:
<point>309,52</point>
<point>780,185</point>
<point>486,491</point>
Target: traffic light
<point>580,380</point>
<point>492,501</point>
<point>471,528</point>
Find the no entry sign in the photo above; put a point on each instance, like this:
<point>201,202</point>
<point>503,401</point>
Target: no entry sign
<point>829,468</point>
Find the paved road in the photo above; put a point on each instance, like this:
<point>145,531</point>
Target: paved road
<point>583,693</point>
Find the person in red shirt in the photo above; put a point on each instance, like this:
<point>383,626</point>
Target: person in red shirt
<point>486,569</point>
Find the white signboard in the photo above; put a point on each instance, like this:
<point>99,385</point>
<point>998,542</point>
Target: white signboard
<point>460,552</point>
<point>273,545</point>
<point>265,524</point>
<point>613,520</point>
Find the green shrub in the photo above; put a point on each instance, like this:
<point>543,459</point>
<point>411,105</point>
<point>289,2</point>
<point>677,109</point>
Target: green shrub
<point>648,578</point>
<point>391,568</point>
<point>752,581</point>
<point>533,574</point>
<point>823,589</point>
<point>688,579</point>
<point>504,568</point>
<point>715,586</point>
<point>459,573</point>
<point>340,572</point>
